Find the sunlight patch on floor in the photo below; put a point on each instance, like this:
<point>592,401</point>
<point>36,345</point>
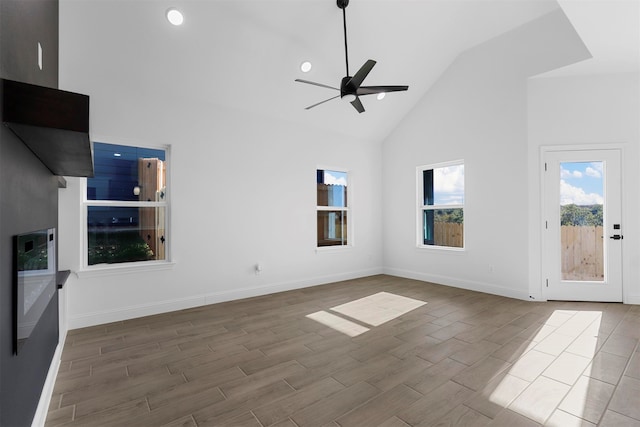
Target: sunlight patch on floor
<point>556,358</point>
<point>372,310</point>
<point>378,308</point>
<point>338,323</point>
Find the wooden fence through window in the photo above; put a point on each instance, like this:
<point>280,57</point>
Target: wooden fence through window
<point>582,252</point>
<point>449,234</point>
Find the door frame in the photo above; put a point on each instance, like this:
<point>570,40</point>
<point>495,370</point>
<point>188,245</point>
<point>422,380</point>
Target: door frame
<point>544,149</point>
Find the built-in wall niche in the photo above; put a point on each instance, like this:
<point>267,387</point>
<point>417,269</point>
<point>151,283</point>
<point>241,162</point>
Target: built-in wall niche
<point>34,280</point>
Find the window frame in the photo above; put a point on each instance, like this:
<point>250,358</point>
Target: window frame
<point>124,267</point>
<point>348,209</point>
<point>421,207</point>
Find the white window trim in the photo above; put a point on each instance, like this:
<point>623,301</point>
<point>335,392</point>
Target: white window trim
<point>348,209</point>
<point>97,270</point>
<point>420,207</point>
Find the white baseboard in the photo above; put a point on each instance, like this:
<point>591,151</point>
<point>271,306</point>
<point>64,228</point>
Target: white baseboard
<point>131,312</point>
<point>47,390</point>
<point>633,299</point>
<point>459,283</point>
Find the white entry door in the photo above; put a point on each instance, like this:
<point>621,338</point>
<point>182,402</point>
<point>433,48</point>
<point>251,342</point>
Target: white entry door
<point>583,233</point>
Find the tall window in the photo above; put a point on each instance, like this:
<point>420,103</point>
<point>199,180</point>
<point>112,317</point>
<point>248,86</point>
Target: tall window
<point>441,205</point>
<point>126,205</point>
<point>332,208</point>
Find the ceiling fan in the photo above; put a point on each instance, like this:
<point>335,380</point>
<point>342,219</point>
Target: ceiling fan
<point>350,86</point>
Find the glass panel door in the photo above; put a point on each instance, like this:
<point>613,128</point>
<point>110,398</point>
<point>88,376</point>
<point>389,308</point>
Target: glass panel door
<point>581,219</point>
<point>582,230</point>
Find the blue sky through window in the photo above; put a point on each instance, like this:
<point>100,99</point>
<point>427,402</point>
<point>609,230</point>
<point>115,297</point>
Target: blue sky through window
<point>581,183</point>
<point>448,185</point>
<point>335,177</point>
<point>336,189</point>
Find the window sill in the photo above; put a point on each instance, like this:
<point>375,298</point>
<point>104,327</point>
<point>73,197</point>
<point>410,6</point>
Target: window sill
<point>101,270</point>
<point>333,249</point>
<point>444,249</point>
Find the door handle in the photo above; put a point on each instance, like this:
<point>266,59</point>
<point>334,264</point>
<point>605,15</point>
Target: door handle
<point>616,237</point>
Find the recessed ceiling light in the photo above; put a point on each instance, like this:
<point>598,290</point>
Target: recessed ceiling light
<point>381,95</point>
<point>174,16</point>
<point>305,66</point>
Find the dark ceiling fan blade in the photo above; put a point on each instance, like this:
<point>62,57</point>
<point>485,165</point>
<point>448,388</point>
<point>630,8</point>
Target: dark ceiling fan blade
<point>358,105</point>
<point>322,102</point>
<point>362,73</point>
<point>316,84</point>
<point>370,90</point>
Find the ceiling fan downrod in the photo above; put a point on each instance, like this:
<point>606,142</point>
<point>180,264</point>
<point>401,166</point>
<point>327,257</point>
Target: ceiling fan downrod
<point>342,4</point>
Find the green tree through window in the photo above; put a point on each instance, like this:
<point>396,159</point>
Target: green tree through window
<point>590,215</point>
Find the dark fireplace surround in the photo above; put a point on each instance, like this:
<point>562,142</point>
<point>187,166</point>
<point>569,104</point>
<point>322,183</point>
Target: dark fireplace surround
<point>45,136</point>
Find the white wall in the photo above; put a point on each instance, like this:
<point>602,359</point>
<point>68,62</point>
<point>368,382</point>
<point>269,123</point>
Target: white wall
<point>243,191</point>
<point>573,111</point>
<point>477,111</point>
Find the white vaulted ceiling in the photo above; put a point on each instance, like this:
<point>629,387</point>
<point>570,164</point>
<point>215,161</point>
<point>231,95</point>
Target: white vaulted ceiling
<point>245,55</point>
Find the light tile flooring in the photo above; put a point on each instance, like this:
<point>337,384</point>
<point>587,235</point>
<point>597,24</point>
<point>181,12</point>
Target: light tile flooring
<point>421,355</point>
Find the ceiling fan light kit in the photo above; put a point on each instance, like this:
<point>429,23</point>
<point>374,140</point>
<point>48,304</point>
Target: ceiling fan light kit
<point>305,67</point>
<point>350,86</point>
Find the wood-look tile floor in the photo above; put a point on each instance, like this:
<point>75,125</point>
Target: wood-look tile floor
<point>463,358</point>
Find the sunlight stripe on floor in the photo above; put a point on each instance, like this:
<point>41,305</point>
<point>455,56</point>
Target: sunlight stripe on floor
<point>338,323</point>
